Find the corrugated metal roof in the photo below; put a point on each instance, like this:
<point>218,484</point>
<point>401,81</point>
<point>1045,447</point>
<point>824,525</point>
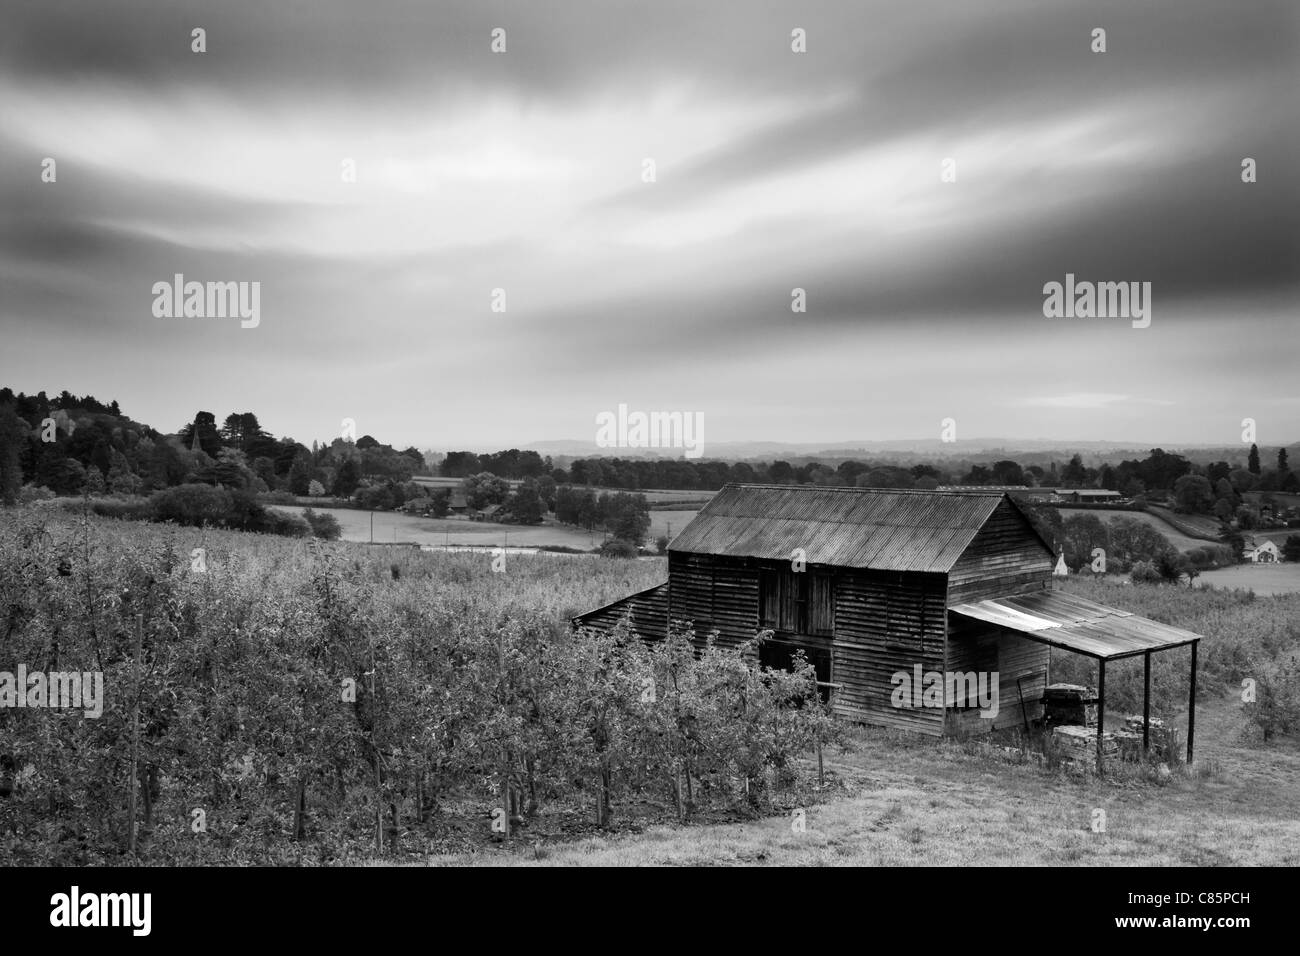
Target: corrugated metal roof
<point>878,528</point>
<point>1077,624</point>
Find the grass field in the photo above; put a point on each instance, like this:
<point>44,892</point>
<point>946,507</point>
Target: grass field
<point>1207,526</point>
<point>667,496</point>
<point>1175,537</point>
<point>670,523</point>
<point>1155,517</point>
<point>392,526</point>
<point>1261,578</point>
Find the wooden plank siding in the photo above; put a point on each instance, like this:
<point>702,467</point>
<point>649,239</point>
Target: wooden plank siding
<point>647,611</point>
<point>880,623</point>
<point>1005,557</point>
<point>714,592</point>
<point>796,602</point>
<point>979,647</point>
<point>885,622</point>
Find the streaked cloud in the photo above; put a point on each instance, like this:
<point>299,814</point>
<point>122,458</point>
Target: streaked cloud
<point>774,171</point>
<point>1091,400</point>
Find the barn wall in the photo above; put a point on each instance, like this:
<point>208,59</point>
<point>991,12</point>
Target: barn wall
<point>886,622</point>
<point>647,611</point>
<point>1006,557</point>
<point>714,592</point>
<point>976,646</point>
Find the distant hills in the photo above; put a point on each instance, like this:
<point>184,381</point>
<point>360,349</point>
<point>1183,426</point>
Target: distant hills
<point>912,448</point>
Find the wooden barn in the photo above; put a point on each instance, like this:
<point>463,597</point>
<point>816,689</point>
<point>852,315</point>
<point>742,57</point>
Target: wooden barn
<point>871,583</point>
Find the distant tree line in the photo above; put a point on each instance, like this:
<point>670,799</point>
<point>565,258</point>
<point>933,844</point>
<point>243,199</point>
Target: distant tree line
<point>1159,471</point>
<point>1219,488</point>
<point>1125,546</point>
<point>625,516</point>
<point>505,464</point>
<point>72,444</point>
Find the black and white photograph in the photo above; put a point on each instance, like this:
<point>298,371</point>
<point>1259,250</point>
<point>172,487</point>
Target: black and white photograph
<point>447,434</point>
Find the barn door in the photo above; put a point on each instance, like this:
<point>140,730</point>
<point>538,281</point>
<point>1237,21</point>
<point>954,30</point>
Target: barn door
<point>781,654</point>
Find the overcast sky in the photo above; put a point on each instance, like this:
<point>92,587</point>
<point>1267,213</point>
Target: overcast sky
<point>774,170</point>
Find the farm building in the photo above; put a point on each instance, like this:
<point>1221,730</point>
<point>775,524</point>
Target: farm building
<point>1264,553</point>
<point>1084,496</point>
<point>1021,492</point>
<point>873,583</point>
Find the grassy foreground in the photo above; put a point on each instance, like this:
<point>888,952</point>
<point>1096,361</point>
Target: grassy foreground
<point>920,802</point>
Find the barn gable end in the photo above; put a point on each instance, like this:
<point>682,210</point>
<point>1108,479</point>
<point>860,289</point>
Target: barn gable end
<point>1006,556</point>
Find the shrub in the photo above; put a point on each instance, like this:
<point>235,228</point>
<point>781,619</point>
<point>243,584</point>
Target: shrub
<point>617,548</point>
<point>1145,572</point>
<point>375,498</point>
<point>193,505</point>
<point>1171,565</point>
<point>246,513</point>
<point>323,526</point>
<point>138,509</point>
<point>285,524</point>
<point>440,503</point>
<point>30,493</point>
<point>1276,709</point>
<point>1210,556</point>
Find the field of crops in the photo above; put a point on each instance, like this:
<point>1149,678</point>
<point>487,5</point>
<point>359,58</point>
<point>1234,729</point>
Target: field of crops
<point>305,701</point>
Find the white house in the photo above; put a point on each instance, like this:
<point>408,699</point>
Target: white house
<point>1266,553</point>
